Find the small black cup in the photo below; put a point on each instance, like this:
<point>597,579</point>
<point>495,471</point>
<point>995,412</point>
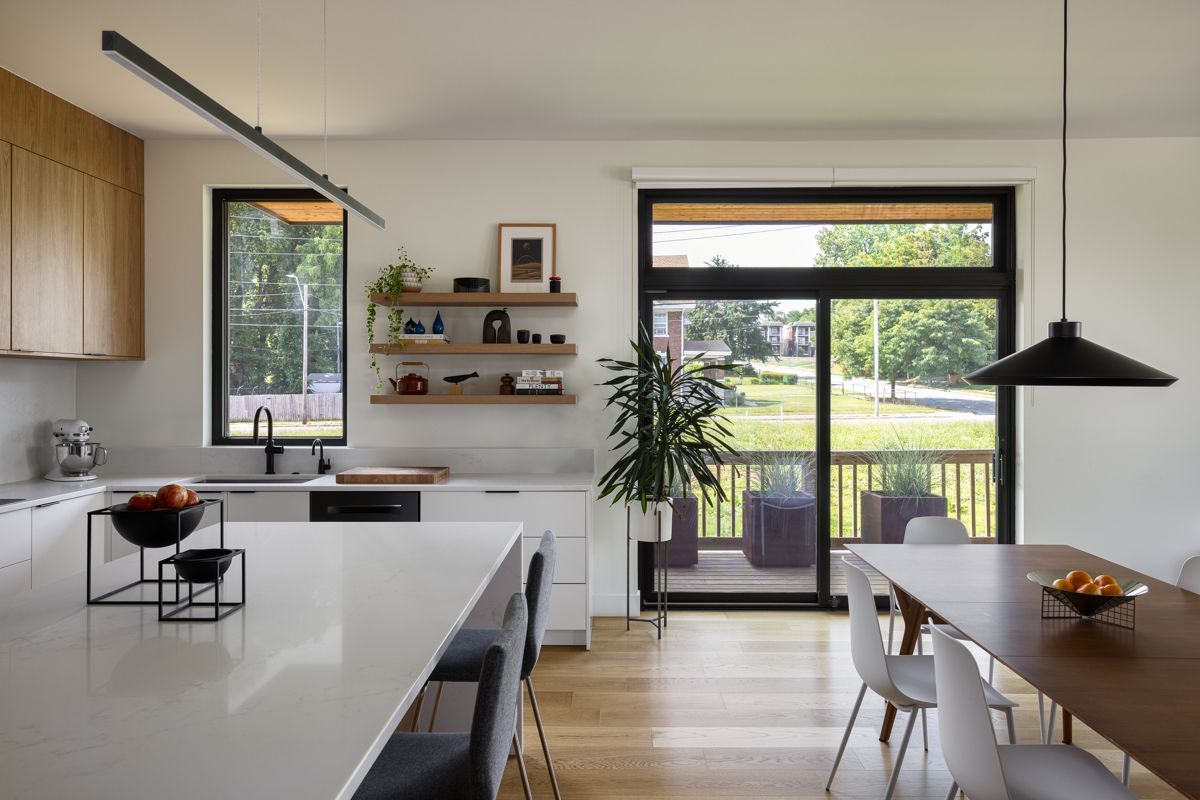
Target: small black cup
<point>522,336</point>
<point>558,338</point>
<point>537,338</point>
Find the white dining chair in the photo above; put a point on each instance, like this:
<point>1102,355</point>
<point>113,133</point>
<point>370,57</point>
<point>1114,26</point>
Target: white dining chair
<point>986,770</point>
<point>1189,575</point>
<point>906,682</point>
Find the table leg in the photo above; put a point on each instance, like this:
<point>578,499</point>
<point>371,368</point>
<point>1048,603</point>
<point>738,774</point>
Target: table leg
<point>914,615</point>
<point>1066,727</point>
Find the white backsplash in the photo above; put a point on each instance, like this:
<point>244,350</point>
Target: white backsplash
<point>33,394</point>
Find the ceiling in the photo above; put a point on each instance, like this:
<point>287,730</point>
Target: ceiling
<point>631,69</point>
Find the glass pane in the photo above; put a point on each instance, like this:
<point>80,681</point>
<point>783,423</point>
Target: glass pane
<point>761,537</point>
<point>821,235</point>
<point>909,438</point>
<point>284,334</point>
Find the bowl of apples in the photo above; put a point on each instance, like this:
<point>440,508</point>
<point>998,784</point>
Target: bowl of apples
<point>159,519</point>
<point>1086,594</point>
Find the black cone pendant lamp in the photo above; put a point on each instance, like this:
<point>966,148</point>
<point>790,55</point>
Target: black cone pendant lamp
<point>1065,358</point>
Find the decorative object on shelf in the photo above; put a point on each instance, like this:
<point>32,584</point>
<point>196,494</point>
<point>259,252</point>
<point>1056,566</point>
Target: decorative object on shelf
<point>412,383</point>
<point>456,381</point>
<point>668,431</point>
<point>439,327</point>
<point>540,382</point>
<point>410,327</point>
<point>555,284</point>
<point>497,327</point>
<point>1065,358</point>
<point>390,282</point>
<point>420,327</point>
<point>506,384</point>
<point>528,256</point>
<point>472,285</point>
<point>412,274</point>
<point>537,338</point>
<point>558,338</point>
<point>522,336</point>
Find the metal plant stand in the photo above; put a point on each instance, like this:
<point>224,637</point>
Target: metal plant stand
<point>661,594</point>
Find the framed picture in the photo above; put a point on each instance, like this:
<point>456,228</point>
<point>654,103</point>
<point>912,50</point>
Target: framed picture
<point>528,253</point>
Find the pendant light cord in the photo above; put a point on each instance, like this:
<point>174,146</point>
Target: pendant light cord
<point>258,68</point>
<point>325,81</point>
<point>1064,166</point>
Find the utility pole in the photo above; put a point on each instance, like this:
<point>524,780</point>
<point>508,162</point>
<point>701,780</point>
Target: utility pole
<point>303,289</point>
<point>875,326</point>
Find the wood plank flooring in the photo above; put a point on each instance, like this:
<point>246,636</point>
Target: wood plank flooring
<point>730,571</point>
<point>743,704</point>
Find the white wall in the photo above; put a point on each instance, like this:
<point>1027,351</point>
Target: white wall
<point>1097,462</point>
<point>32,395</point>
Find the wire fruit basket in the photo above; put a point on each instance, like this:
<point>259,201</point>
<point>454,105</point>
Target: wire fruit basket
<point>1116,610</point>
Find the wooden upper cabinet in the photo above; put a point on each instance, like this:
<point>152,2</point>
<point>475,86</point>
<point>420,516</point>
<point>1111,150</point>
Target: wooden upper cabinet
<point>47,255</point>
<point>5,246</point>
<point>112,271</point>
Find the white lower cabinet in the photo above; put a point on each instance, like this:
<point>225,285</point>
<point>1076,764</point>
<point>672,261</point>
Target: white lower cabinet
<point>253,506</point>
<point>565,513</point>
<point>59,538</point>
<point>15,579</point>
<point>15,536</point>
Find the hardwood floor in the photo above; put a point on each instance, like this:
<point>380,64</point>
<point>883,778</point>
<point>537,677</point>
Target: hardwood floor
<point>734,705</point>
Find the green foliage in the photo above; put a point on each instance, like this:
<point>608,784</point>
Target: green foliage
<point>904,469</point>
<point>798,315</point>
<point>908,245</point>
<point>783,475</point>
<point>667,430</point>
<point>390,281</point>
<point>785,378</point>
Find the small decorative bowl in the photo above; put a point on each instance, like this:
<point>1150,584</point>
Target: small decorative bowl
<point>158,527</point>
<point>203,565</point>
<point>558,338</point>
<point>472,285</point>
<point>1088,605</point>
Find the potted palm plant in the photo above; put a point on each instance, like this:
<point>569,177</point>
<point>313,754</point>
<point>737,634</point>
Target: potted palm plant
<point>904,492</point>
<point>779,519</point>
<point>684,549</point>
<point>667,433</point>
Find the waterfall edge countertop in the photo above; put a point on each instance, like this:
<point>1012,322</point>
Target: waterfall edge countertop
<point>37,492</point>
<point>292,696</point>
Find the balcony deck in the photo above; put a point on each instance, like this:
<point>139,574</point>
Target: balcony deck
<point>728,571</point>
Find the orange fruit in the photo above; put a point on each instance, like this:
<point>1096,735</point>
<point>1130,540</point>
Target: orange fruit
<point>1104,580</point>
<point>1088,588</point>
<point>1063,585</point>
<point>1111,589</point>
<point>1078,578</point>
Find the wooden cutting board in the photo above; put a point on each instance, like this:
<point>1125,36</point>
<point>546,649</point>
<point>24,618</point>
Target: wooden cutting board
<point>383,475</point>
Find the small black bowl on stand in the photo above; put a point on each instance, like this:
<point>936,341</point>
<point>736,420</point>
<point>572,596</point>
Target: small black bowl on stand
<point>203,566</point>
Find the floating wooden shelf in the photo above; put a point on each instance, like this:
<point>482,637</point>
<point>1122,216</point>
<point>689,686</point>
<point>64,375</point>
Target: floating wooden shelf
<point>476,349</point>
<point>474,399</point>
<point>476,299</point>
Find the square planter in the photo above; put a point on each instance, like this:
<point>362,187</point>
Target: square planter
<point>684,548</point>
<point>779,531</point>
<point>885,517</point>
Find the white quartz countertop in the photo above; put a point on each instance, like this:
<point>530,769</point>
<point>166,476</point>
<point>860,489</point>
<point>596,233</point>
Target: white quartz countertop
<point>37,492</point>
<point>292,696</point>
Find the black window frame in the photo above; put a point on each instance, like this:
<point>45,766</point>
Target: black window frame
<point>218,368</point>
<point>823,285</point>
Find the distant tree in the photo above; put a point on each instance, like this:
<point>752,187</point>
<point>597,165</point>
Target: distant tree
<point>907,245</point>
<point>720,262</point>
<point>798,315</point>
<point>737,323</point>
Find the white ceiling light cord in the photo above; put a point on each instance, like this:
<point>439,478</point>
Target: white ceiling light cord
<point>325,81</point>
<point>258,69</point>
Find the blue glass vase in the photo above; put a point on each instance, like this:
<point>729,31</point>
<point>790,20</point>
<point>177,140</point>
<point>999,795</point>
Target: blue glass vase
<point>438,327</point>
<point>420,327</point>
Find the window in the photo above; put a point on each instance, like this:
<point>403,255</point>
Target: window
<point>660,323</point>
<point>278,315</point>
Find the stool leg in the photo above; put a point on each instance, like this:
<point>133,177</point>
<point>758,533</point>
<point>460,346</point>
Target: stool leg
<point>1125,772</point>
<point>537,717</point>
<point>416,720</point>
<point>437,698</point>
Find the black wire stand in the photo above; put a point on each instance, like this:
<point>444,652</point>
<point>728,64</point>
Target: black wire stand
<point>661,594</point>
<point>220,608</point>
<point>1118,611</point>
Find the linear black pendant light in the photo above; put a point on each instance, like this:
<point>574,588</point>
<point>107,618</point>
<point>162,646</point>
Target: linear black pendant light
<point>158,75</point>
<point>1065,358</point>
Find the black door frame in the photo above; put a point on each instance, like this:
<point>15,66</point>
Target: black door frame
<point>824,286</point>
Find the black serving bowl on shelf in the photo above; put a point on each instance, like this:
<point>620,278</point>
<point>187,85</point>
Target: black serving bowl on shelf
<point>1088,605</point>
<point>205,565</point>
<point>158,527</point>
<point>472,285</point>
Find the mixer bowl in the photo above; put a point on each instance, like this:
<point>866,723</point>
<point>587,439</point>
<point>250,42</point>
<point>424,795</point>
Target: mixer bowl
<point>78,458</point>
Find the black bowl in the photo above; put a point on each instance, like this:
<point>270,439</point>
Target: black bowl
<point>1088,605</point>
<point>472,285</point>
<point>156,528</point>
<point>558,338</point>
<point>204,565</point>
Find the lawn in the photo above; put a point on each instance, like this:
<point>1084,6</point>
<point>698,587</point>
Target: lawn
<point>801,398</point>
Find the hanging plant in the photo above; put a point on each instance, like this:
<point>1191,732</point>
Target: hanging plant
<point>391,281</point>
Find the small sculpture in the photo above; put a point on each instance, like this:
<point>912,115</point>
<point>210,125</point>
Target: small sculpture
<point>410,326</point>
<point>438,327</point>
<point>420,327</point>
<point>497,327</point>
<point>456,381</point>
<point>506,384</point>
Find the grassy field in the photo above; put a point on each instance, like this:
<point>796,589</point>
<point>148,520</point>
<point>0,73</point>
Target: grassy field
<point>801,398</point>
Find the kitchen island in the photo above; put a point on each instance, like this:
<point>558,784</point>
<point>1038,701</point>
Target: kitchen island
<point>292,696</point>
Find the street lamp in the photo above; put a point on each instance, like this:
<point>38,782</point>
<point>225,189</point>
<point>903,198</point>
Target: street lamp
<point>303,289</point>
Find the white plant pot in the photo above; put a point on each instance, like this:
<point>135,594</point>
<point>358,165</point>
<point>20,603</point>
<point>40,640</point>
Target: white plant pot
<point>410,281</point>
<point>654,523</point>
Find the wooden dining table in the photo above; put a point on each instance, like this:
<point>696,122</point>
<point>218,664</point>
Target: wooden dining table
<point>1138,688</point>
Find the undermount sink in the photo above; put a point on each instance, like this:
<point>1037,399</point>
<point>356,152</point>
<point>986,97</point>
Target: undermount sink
<point>254,479</point>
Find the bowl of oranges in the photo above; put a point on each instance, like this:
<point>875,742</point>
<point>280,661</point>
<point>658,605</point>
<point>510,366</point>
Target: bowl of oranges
<point>1086,594</point>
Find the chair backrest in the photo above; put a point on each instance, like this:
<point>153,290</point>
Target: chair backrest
<point>496,701</point>
<point>538,582</point>
<point>964,722</point>
<point>935,530</point>
<point>1189,575</point>
<point>866,642</point>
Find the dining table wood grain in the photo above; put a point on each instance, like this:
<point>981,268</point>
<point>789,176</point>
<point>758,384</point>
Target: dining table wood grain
<point>1134,687</point>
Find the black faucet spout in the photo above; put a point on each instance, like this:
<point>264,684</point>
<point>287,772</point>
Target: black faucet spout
<point>323,463</point>
<point>271,449</point>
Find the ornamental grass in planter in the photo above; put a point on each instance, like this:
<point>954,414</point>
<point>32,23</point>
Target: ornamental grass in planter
<point>779,520</point>
<point>905,492</point>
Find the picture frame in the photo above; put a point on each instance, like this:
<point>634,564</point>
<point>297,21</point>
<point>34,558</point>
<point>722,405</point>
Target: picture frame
<point>528,256</point>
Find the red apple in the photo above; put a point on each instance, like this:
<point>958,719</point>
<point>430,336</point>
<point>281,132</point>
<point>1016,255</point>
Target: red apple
<point>142,501</point>
<point>171,496</point>
<point>192,498</point>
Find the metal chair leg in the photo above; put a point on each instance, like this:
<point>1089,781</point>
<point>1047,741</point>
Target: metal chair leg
<point>1050,723</point>
<point>891,618</point>
<point>437,699</point>
<point>953,790</point>
<point>1012,726</point>
<point>908,729</point>
<point>846,736</point>
<point>416,720</point>
<point>521,767</point>
<point>1125,772</point>
<point>1042,716</point>
<point>537,717</point>
<point>925,729</point>
<point>991,669</point>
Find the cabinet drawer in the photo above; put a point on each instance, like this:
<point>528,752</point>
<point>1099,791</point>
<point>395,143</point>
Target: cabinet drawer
<point>15,542</point>
<point>570,564</point>
<point>60,538</point>
<point>15,579</point>
<point>568,607</point>
<point>561,512</point>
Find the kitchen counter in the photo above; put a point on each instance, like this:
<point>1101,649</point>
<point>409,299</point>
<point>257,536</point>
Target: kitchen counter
<point>292,696</point>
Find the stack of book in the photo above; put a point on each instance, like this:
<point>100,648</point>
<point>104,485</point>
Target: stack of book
<point>424,338</point>
<point>540,381</point>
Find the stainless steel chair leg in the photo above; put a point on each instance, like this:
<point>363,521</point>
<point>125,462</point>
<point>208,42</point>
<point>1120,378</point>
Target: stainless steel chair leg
<point>1012,726</point>
<point>437,699</point>
<point>416,720</point>
<point>521,767</point>
<point>846,736</point>
<point>908,729</point>
<point>925,729</point>
<point>1050,723</point>
<point>1125,771</point>
<point>953,791</point>
<point>537,717</point>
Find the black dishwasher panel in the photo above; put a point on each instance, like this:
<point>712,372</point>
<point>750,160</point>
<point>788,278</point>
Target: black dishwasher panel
<point>356,506</point>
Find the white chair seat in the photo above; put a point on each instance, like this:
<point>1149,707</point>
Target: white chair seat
<point>1036,772</point>
<point>913,675</point>
<point>949,630</point>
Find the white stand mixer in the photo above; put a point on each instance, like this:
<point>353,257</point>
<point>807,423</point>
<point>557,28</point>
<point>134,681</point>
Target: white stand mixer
<point>74,452</point>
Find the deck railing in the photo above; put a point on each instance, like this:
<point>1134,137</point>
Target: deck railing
<point>963,477</point>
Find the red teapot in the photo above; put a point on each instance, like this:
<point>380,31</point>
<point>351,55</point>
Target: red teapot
<point>412,383</point>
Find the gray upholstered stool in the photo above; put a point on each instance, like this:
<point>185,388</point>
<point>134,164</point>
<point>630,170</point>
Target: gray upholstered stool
<point>462,658</point>
<point>461,766</point>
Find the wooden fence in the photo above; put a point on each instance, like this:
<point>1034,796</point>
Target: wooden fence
<point>286,407</point>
